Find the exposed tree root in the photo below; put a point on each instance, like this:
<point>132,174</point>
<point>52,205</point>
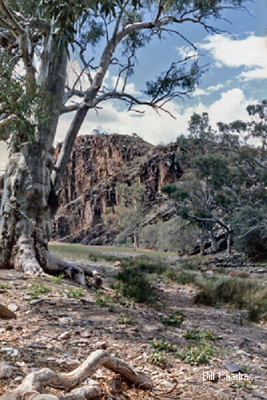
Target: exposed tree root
<point>34,385</point>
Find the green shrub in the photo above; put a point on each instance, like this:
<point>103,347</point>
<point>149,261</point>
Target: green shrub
<point>186,277</point>
<point>57,279</point>
<point>132,283</point>
<point>5,286</point>
<point>242,293</point>
<point>40,289</point>
<point>195,355</point>
<point>198,335</point>
<point>160,344</point>
<point>174,319</point>
<point>102,299</point>
<point>124,319</point>
<point>158,358</point>
<point>229,291</point>
<point>171,274</point>
<point>76,293</point>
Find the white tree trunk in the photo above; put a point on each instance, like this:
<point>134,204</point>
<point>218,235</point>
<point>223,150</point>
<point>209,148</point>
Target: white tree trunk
<point>28,205</point>
<point>213,242</point>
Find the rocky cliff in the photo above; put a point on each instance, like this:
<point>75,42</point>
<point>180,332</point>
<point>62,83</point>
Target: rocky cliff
<point>96,165</point>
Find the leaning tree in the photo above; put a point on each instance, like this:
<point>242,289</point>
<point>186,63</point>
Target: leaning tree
<point>36,40</point>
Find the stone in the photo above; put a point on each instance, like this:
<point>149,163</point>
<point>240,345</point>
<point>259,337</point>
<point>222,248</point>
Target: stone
<point>36,301</point>
<point>101,345</point>
<point>117,263</point>
<point>13,307</point>
<point>96,164</point>
<point>232,367</point>
<point>247,342</point>
<point>5,370</point>
<point>65,335</point>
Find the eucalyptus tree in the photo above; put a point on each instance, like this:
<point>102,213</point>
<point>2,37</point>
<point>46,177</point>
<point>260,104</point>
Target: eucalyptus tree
<point>225,178</point>
<point>35,42</point>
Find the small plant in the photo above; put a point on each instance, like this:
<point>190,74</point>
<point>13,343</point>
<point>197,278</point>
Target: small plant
<point>241,385</point>
<point>196,334</point>
<point>111,309</point>
<point>124,319</point>
<point>5,286</point>
<point>174,319</point>
<point>171,274</point>
<point>101,302</point>
<point>158,358</point>
<point>57,279</point>
<point>40,289</point>
<point>162,345</point>
<point>196,355</point>
<point>102,299</point>
<point>76,293</point>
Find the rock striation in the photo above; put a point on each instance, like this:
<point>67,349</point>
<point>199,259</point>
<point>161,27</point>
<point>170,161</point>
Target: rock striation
<point>96,165</point>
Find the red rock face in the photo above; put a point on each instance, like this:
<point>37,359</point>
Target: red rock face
<point>96,165</point>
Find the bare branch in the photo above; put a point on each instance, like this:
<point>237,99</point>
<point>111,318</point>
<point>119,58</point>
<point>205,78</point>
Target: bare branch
<point>11,19</point>
<point>6,25</point>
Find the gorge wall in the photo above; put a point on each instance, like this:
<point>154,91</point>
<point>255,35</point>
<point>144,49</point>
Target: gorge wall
<point>96,165</point>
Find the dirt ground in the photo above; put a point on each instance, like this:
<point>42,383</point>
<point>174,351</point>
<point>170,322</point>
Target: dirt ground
<point>60,332</point>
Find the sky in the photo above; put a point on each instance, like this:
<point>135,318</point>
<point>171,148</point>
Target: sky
<point>236,76</point>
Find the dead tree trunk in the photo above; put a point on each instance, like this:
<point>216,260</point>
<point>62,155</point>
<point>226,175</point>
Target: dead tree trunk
<point>34,386</point>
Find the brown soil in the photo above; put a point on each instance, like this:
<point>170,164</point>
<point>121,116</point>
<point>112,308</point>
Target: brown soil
<point>34,340</point>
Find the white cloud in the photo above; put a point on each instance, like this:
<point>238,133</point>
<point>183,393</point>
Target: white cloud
<point>186,51</point>
<point>150,126</point>
<point>209,90</point>
<point>129,88</point>
<point>250,53</point>
<point>154,128</point>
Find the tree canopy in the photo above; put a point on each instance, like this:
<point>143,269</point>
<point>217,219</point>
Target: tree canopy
<point>224,182</point>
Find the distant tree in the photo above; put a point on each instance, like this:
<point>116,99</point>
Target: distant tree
<point>223,174</point>
<point>128,216</point>
<point>250,218</point>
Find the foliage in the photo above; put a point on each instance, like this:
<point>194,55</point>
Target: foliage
<point>172,235</point>
<point>57,279</point>
<point>243,384</point>
<point>5,286</point>
<point>131,282</point>
<point>102,299</point>
<point>224,177</point>
<point>195,355</point>
<point>124,320</point>
<point>76,293</point>
<point>40,289</point>
<point>198,335</point>
<point>174,319</point>
<point>242,293</point>
<point>158,358</point>
<point>128,216</point>
<point>161,345</point>
<point>25,103</point>
<point>249,224</point>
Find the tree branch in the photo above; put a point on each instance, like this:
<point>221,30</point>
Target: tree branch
<point>11,19</point>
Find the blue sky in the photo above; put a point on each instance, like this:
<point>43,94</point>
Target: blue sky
<point>236,77</point>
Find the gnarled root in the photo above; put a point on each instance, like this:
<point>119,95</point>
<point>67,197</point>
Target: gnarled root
<point>33,386</point>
